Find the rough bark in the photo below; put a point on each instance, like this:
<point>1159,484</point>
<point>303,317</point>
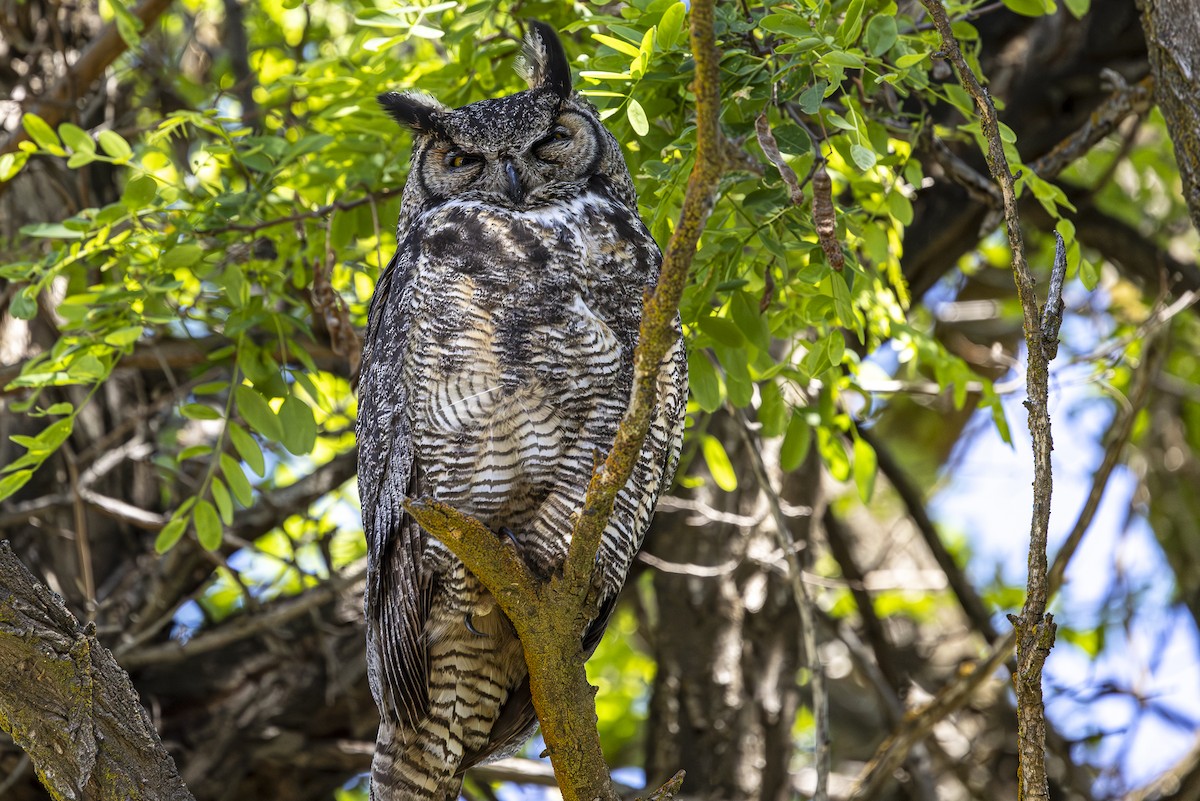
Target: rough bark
<point>727,644</point>
<point>66,701</point>
<point>1173,38</point>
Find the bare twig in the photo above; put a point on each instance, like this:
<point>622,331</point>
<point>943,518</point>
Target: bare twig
<point>269,618</point>
<point>1103,120</point>
<point>1035,629</point>
<point>918,723</point>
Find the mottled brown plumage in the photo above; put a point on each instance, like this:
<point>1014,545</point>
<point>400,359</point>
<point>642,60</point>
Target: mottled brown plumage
<point>497,364</point>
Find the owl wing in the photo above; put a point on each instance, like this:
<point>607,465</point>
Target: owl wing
<point>398,590</point>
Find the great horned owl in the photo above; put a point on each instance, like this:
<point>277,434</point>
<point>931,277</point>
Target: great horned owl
<point>497,364</point>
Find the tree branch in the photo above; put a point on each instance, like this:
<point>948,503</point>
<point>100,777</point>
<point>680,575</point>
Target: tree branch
<point>66,701</point>
<point>1035,629</point>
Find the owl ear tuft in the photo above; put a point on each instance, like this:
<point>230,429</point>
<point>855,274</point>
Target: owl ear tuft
<point>543,61</point>
<point>415,110</point>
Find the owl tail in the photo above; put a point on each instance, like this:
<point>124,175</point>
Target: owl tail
<point>396,776</point>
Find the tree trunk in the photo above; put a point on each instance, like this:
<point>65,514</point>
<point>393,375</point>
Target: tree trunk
<point>726,695</point>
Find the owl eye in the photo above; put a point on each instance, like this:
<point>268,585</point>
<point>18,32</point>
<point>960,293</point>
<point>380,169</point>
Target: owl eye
<point>558,135</point>
<point>458,161</point>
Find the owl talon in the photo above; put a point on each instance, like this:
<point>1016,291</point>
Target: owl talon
<point>470,623</point>
<point>536,569</point>
<point>511,535</point>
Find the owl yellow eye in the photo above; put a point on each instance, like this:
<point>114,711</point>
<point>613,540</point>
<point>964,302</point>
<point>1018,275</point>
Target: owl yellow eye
<point>560,135</point>
<point>457,161</point>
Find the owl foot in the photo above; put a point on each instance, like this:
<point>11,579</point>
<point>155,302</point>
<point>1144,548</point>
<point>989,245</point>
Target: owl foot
<point>535,568</point>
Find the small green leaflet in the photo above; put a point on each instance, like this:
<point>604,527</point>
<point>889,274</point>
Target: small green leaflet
<point>247,448</point>
<point>208,526</point>
<point>718,463</point>
<point>258,413</point>
<point>637,118</point>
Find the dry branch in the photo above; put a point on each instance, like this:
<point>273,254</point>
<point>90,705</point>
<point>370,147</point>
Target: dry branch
<point>1034,628</point>
<point>550,616</point>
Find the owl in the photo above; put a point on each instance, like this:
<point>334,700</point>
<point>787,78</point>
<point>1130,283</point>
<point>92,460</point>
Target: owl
<point>497,364</point>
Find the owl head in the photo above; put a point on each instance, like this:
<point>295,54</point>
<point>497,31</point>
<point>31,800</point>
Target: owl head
<point>523,151</point>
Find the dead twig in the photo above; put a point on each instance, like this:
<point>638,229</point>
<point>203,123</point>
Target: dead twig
<point>1034,628</point>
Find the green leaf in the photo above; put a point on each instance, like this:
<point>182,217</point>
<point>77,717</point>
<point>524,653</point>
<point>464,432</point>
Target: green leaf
<point>170,534</point>
<point>87,367</point>
<point>738,386</point>
<point>76,138</point>
<point>239,485</point>
<point>851,26</point>
<point>128,25</point>
<point>833,452</point>
<point>11,164</point>
<point>1031,8</point>
<point>881,34</point>
<point>13,482</point>
<point>139,192</point>
<point>41,133</point>
<point>786,23</point>
<point>115,145</point>
<point>198,411</point>
<point>1089,275</point>
<point>702,376</point>
<point>193,451</point>
<point>51,231</point>
<point>843,58</point>
<point>718,463</point>
<point>247,448</point>
<point>180,256</point>
<point>124,337</point>
<point>619,45</point>
<point>796,442</point>
<point>810,99</point>
<point>24,304</point>
<point>223,501</point>
<point>637,118</point>
<point>864,157</point>
<point>208,526</point>
<point>671,25</point>
<point>724,331</point>
<point>910,60</point>
<point>865,465</point>
<point>299,427</point>
<point>1078,8</point>
<point>900,208</point>
<point>772,411</point>
<point>258,413</point>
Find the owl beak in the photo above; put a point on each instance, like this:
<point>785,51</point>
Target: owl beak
<point>513,189</point>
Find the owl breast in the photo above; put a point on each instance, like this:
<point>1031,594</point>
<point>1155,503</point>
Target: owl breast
<point>521,356</point>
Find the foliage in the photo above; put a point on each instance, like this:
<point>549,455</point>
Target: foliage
<point>223,227</point>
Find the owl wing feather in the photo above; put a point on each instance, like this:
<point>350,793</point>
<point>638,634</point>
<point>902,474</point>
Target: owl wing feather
<point>398,592</point>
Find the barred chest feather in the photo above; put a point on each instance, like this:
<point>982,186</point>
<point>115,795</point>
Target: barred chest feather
<point>521,350</point>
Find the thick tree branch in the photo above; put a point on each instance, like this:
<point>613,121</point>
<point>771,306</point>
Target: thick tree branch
<point>66,701</point>
<point>1035,629</point>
